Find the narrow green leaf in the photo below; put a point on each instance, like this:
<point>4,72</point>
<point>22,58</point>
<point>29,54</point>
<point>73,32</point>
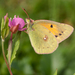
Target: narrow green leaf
<point>55,72</point>
<point>16,46</point>
<point>7,27</point>
<point>9,52</point>
<point>3,33</point>
<point>4,28</point>
<point>2,24</point>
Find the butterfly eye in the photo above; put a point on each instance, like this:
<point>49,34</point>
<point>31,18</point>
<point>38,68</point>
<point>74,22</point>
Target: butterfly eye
<point>51,26</point>
<point>31,22</point>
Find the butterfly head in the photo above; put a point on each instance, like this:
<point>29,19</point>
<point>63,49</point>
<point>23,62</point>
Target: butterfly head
<point>29,21</point>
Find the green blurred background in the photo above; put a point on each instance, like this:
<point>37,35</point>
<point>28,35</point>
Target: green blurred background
<point>27,62</point>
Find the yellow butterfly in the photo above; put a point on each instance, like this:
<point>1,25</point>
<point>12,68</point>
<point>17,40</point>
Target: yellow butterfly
<point>45,35</point>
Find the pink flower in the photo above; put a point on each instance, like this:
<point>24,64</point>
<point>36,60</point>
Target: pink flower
<point>16,24</point>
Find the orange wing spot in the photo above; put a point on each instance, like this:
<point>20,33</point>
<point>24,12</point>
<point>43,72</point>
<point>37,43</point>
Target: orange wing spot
<point>52,28</point>
<point>45,38</point>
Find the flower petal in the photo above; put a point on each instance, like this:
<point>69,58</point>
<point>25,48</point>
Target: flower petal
<point>14,16</point>
<point>19,21</point>
<point>10,23</point>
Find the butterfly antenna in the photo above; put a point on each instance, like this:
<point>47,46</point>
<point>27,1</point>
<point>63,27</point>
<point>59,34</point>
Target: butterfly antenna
<point>25,12</point>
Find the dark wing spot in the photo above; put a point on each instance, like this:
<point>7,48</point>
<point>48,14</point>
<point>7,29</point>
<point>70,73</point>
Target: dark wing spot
<point>56,36</point>
<point>60,34</point>
<point>51,26</point>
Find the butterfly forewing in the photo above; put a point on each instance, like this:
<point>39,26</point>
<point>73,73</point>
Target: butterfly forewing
<point>60,31</point>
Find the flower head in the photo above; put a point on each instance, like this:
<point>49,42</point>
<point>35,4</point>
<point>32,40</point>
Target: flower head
<point>16,24</point>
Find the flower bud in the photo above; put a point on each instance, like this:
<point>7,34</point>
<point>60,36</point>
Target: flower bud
<point>14,29</point>
<point>4,27</point>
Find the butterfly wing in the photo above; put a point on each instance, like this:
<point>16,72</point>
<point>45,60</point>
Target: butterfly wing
<point>60,31</point>
<point>42,40</point>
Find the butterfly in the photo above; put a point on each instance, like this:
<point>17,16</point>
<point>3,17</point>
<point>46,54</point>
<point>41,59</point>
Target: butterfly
<point>45,35</point>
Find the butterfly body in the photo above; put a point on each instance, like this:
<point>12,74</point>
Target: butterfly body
<point>45,35</point>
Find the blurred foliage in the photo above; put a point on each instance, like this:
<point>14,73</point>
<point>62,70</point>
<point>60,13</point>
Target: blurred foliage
<point>27,62</point>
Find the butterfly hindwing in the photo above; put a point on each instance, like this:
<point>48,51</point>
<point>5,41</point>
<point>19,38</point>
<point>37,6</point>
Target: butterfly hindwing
<point>42,40</point>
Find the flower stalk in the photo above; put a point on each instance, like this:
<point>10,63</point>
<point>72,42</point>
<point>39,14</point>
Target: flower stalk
<point>5,58</point>
<point>4,34</point>
<point>16,25</point>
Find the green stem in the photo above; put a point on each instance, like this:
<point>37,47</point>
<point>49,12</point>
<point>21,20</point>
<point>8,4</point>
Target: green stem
<point>5,57</point>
